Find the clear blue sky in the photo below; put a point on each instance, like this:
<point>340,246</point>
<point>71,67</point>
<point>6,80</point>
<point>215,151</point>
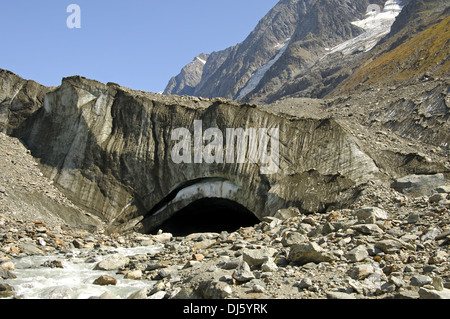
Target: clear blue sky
<point>137,43</point>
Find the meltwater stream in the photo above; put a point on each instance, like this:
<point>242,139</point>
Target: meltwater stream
<point>75,280</point>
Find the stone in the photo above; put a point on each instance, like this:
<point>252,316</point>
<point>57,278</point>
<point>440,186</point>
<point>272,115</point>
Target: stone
<point>368,229</point>
<point>256,257</point>
<point>53,264</point>
<point>214,289</point>
<point>419,185</point>
<point>443,189</point>
<point>421,280</point>
<point>77,243</point>
<point>339,295</point>
<point>438,257</point>
<point>105,280</point>
<point>413,218</point>
<point>7,274</point>
<point>162,238</point>
<point>425,293</point>
<point>204,244</point>
<point>258,288</point>
<point>436,198</point>
<point>292,238</point>
<point>368,212</point>
<point>287,213</point>
<point>138,295</point>
<point>7,265</point>
<point>388,287</point>
<point>398,282</point>
<point>113,262</point>
<point>305,283</point>
<point>31,249</point>
<point>430,234</point>
<point>134,275</point>
<point>269,266</point>
<point>243,273</point>
<point>156,296</point>
<point>232,264</point>
<point>310,252</point>
<point>357,254</point>
<point>360,272</point>
<point>106,296</point>
<point>197,257</point>
<point>438,283</point>
<point>389,246</point>
<point>6,290</point>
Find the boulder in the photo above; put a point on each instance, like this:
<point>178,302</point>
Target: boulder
<point>243,273</point>
<point>105,280</point>
<point>357,254</point>
<point>366,213</point>
<point>419,185</point>
<point>256,257</point>
<point>310,252</point>
<point>113,262</point>
<point>425,293</point>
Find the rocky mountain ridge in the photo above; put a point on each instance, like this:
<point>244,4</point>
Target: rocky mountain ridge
<point>328,46</point>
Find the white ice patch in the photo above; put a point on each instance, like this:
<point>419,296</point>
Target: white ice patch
<point>259,74</point>
<point>210,189</point>
<point>201,60</point>
<point>376,25</point>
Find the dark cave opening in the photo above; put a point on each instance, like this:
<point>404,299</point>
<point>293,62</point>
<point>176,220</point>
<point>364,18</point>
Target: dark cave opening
<point>209,215</point>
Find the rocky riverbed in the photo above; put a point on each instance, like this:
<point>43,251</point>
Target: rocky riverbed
<point>392,247</point>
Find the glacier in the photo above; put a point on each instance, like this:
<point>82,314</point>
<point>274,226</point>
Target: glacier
<point>377,24</point>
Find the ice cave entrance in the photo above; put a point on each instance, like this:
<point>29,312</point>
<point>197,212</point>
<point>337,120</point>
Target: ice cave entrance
<point>202,205</point>
<point>209,215</point>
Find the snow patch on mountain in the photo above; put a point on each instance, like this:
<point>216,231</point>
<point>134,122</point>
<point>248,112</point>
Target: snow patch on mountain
<point>201,60</point>
<point>377,24</point>
<point>259,74</point>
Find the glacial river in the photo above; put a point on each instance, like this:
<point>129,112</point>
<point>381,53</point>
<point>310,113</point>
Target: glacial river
<point>75,280</point>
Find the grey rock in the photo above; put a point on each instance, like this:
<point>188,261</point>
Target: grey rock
<point>113,262</point>
<point>106,296</point>
<point>216,289</point>
<point>305,283</point>
<point>140,294</point>
<point>256,257</point>
<point>359,272</point>
<point>292,238</point>
<point>6,290</point>
<point>269,266</point>
<point>31,249</point>
<point>425,293</point>
<point>339,295</point>
<point>232,264</point>
<point>310,252</point>
<point>421,280</point>
<point>243,273</point>
<point>419,185</point>
<point>287,213</point>
<point>389,246</point>
<point>105,280</point>
<point>367,213</point>
<point>443,189</point>
<point>7,274</point>
<point>357,254</point>
<point>430,234</point>
<point>413,218</point>
<point>368,229</point>
<point>157,295</point>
